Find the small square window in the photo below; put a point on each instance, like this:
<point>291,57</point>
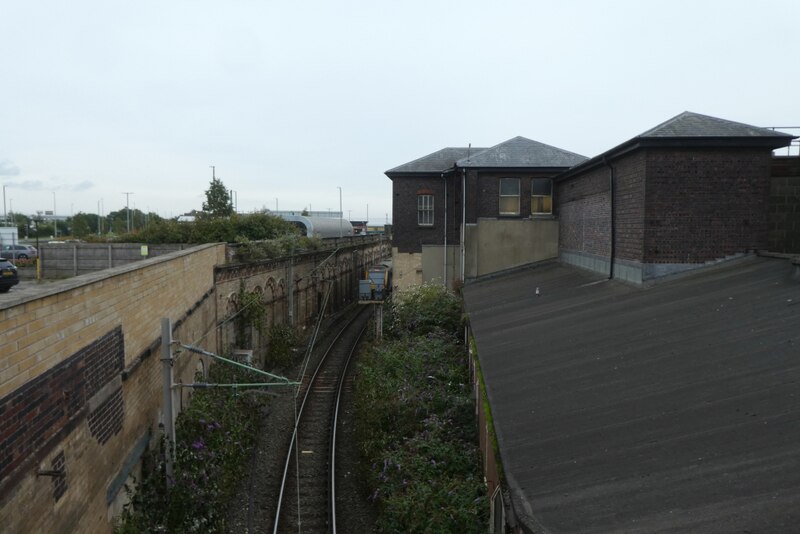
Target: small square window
<point>541,196</point>
<point>509,196</point>
<point>425,210</point>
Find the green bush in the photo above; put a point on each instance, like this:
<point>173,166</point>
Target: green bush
<point>208,229</point>
<point>214,438</point>
<point>282,340</point>
<point>415,420</point>
<point>424,309</point>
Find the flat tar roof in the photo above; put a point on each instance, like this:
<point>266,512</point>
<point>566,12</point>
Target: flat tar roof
<point>669,408</point>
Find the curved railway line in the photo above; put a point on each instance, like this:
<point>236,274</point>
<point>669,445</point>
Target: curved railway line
<point>306,501</point>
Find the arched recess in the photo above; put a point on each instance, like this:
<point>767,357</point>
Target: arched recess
<point>281,306</point>
<point>270,301</point>
<point>227,332</point>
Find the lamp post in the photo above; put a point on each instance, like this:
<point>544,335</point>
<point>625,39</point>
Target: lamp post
<point>127,208</point>
<point>55,220</point>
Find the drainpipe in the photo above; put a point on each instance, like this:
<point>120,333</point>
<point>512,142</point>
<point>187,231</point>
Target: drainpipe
<point>463,221</point>
<point>444,272</point>
<point>611,180</point>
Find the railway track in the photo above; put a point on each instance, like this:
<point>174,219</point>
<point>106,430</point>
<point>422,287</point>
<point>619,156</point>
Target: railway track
<point>306,501</point>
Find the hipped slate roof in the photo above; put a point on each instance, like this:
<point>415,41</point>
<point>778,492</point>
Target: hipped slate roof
<point>689,124</point>
<point>516,153</point>
<point>438,161</point>
<point>522,153</point>
<point>669,408</point>
<point>692,130</point>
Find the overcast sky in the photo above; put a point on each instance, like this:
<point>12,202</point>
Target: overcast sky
<point>291,100</point>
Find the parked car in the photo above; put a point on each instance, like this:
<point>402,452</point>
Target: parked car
<point>8,275</point>
<point>18,252</point>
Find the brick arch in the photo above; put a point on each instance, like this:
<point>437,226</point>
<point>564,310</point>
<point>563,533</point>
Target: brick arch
<point>231,303</point>
<point>270,300</point>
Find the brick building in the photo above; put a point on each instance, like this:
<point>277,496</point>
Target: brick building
<point>462,213</point>
<point>690,191</point>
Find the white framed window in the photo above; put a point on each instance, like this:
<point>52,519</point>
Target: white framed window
<point>425,210</point>
<point>541,196</point>
<point>509,196</point>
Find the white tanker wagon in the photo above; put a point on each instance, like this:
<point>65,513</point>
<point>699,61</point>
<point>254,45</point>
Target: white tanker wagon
<point>322,227</point>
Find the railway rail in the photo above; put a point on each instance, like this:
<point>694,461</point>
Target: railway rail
<point>307,496</point>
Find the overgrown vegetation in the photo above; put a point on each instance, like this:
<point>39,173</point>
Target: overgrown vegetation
<point>249,250</point>
<point>282,340</point>
<point>207,229</point>
<point>250,314</point>
<point>214,439</point>
<point>415,419</point>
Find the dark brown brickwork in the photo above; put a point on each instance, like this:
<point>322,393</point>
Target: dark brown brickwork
<point>629,206</point>
<point>483,194</point>
<point>106,420</point>
<point>36,416</point>
<point>784,206</point>
<point>671,205</point>
<point>584,213</point>
<point>105,359</point>
<point>407,235</point>
<point>704,204</point>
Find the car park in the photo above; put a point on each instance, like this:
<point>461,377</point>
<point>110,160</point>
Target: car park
<point>8,275</point>
<point>18,252</point>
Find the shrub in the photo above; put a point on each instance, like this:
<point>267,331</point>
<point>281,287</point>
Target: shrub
<point>282,339</point>
<point>213,440</point>
<point>415,422</point>
<point>424,309</point>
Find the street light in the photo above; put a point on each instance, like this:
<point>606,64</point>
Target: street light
<point>55,220</point>
<point>127,207</point>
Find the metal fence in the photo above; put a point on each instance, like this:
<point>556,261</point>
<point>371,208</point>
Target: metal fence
<point>794,148</point>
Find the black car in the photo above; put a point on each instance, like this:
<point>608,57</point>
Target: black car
<point>8,275</point>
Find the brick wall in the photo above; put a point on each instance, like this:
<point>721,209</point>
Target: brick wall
<point>629,206</point>
<point>483,192</point>
<point>584,213</point>
<point>784,206</point>
<point>705,204</point>
<point>80,383</point>
<point>407,235</point>
<point>270,278</point>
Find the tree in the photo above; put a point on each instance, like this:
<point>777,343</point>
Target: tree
<point>83,224</point>
<point>218,201</point>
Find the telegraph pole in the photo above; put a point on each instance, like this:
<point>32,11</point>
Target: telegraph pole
<point>55,221</point>
<point>127,207</point>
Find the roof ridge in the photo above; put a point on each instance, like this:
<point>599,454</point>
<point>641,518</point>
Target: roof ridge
<point>745,130</point>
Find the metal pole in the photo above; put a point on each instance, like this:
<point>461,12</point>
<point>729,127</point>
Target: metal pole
<point>55,221</point>
<point>291,285</point>
<point>341,213</point>
<point>127,207</point>
<point>169,415</point>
